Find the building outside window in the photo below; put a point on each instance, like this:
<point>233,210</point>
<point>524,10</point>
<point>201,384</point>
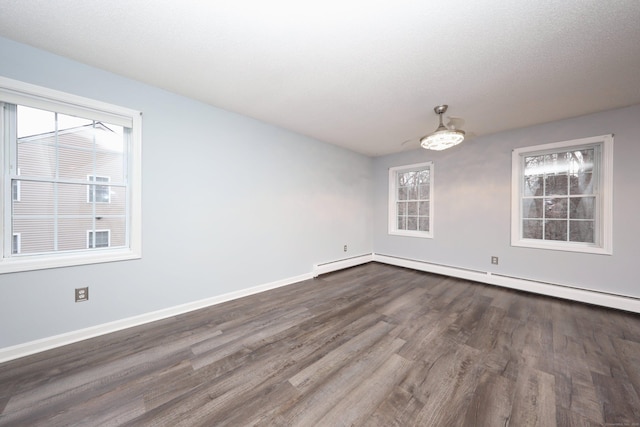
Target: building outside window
<point>15,243</point>
<point>98,193</point>
<point>15,188</point>
<point>98,239</point>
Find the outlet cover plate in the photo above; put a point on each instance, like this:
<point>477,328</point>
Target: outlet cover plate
<point>82,294</point>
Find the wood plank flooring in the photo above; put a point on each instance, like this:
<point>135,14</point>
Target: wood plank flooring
<point>373,345</point>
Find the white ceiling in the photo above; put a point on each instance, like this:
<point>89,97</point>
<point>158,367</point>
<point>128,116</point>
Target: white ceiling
<point>360,74</point>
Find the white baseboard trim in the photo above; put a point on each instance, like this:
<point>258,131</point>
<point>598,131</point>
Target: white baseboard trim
<point>32,347</point>
<point>328,267</point>
<point>604,299</point>
<point>556,290</point>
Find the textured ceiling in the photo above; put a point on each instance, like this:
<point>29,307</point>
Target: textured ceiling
<point>360,74</point>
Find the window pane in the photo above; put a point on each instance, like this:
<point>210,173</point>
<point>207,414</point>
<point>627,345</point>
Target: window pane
<point>402,208</point>
<point>36,235</point>
<point>532,229</point>
<point>556,207</point>
<point>533,185</point>
<point>581,231</point>
<point>423,192</point>
<point>532,208</point>
<point>582,161</point>
<point>37,198</point>
<point>402,193</point>
<point>15,190</point>
<point>582,207</point>
<point>72,233</point>
<point>423,223</point>
<point>33,121</point>
<point>582,183</point>
<point>404,179</point>
<point>423,208</point>
<point>412,208</point>
<point>533,165</point>
<point>413,193</point>
<point>412,223</point>
<point>36,158</point>
<point>556,185</point>
<point>556,163</point>
<point>98,239</point>
<point>555,230</point>
<point>99,193</point>
<point>402,223</point>
<point>15,244</point>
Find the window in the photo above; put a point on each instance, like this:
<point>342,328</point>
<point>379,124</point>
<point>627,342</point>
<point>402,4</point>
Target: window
<point>98,239</point>
<point>411,200</point>
<point>74,165</point>
<point>98,193</point>
<point>15,188</point>
<point>15,243</point>
<point>562,195</point>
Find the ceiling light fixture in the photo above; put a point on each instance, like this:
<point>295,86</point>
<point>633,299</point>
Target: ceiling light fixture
<point>443,137</point>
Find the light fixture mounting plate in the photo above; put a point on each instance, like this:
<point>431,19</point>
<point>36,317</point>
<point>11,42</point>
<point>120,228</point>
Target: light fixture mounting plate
<point>440,109</point>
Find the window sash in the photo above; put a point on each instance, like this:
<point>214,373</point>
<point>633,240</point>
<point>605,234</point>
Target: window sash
<point>561,195</point>
<point>411,200</point>
<point>18,93</point>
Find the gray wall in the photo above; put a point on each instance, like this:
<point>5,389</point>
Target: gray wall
<point>228,203</point>
<point>473,202</point>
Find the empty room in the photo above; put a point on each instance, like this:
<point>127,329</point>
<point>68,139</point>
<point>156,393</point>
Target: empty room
<point>319,214</point>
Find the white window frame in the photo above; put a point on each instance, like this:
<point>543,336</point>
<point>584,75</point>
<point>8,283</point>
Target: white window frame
<point>20,93</point>
<point>93,179</point>
<point>91,238</point>
<point>393,193</point>
<point>603,226</point>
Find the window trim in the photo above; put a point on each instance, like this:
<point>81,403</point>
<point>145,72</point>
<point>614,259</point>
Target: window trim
<point>392,214</point>
<point>20,93</point>
<point>604,209</point>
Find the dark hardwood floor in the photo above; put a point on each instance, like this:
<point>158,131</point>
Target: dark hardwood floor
<point>373,345</point>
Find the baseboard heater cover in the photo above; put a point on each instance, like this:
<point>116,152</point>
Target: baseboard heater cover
<point>620,302</point>
<point>328,267</point>
<point>560,291</point>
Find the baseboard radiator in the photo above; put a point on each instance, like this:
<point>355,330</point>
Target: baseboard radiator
<point>550,289</point>
<point>328,267</point>
<point>621,302</point>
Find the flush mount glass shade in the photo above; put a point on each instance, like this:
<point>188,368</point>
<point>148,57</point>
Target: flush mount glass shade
<point>442,139</point>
